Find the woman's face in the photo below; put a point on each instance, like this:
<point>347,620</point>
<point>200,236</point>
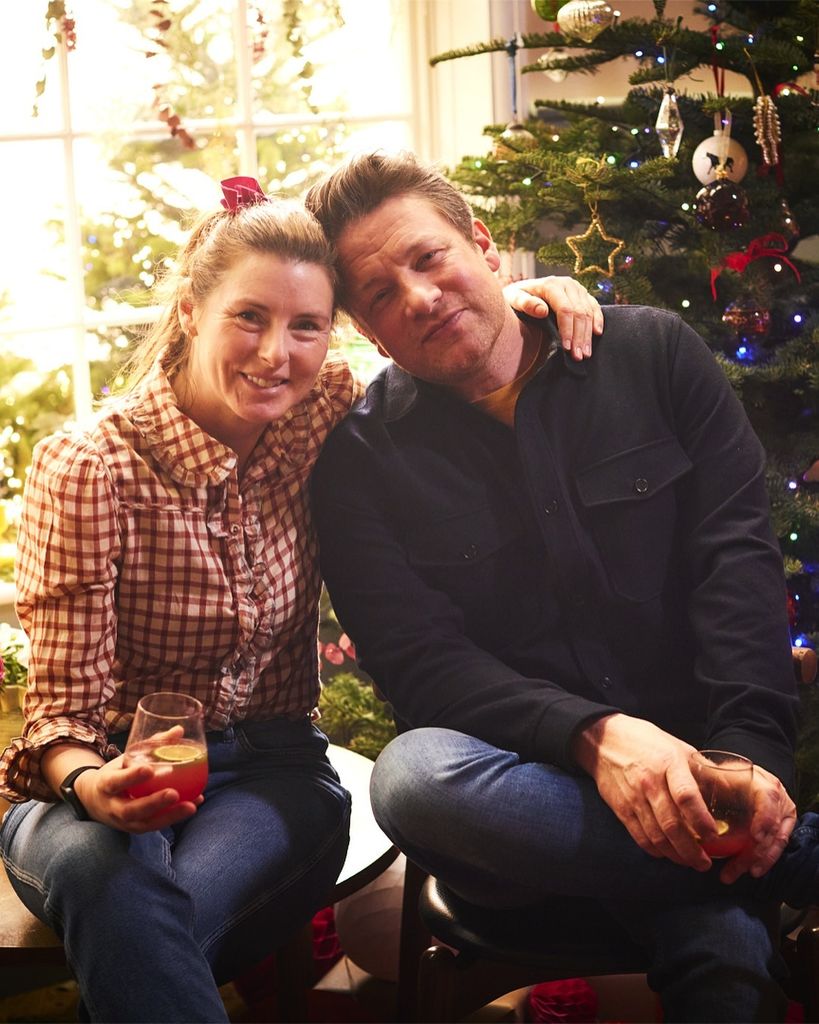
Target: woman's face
<point>257,344</point>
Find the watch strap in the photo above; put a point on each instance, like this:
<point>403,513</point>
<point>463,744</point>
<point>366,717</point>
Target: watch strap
<point>69,794</point>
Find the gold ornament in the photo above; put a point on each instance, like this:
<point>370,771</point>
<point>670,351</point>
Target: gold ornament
<point>766,129</point>
<point>584,19</point>
<point>595,228</point>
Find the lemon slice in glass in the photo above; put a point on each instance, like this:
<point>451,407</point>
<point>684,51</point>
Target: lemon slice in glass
<point>178,752</point>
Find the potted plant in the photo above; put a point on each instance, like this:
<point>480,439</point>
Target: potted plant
<point>13,667</point>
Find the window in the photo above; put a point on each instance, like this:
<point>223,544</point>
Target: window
<point>142,108</point>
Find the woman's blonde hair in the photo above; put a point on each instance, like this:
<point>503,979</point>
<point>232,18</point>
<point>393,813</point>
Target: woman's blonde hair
<point>219,239</point>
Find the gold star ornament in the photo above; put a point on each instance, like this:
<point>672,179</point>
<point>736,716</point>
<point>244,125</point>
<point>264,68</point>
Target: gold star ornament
<point>577,243</point>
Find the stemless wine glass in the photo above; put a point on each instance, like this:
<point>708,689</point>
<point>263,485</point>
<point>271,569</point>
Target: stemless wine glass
<point>168,733</point>
<point>725,781</point>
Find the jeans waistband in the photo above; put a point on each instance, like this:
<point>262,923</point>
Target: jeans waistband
<point>250,727</point>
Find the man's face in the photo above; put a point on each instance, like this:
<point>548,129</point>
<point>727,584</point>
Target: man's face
<point>425,295</point>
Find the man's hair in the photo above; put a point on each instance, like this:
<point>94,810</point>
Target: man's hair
<point>367,180</point>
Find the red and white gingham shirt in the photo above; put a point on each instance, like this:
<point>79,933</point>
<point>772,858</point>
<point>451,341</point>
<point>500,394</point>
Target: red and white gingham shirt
<point>145,564</point>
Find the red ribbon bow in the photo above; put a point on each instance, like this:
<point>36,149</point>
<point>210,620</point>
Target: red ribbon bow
<point>239,192</point>
<point>790,87</point>
<point>766,245</point>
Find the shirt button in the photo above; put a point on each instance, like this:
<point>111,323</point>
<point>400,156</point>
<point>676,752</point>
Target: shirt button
<point>469,553</point>
<point>605,682</point>
<point>641,485</point>
<point>550,507</point>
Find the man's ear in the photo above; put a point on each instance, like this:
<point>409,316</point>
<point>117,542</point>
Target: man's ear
<point>364,331</point>
<point>485,242</point>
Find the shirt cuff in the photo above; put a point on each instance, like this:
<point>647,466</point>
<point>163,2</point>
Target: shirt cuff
<point>560,724</point>
<point>20,774</point>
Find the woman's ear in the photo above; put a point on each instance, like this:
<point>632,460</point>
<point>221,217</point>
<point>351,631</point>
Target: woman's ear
<point>484,241</point>
<point>184,310</point>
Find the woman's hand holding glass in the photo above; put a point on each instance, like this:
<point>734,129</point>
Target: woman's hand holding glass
<point>160,777</point>
<point>168,736</point>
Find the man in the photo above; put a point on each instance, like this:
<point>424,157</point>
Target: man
<point>562,577</point>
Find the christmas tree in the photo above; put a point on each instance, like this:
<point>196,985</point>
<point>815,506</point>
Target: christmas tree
<point>695,203</point>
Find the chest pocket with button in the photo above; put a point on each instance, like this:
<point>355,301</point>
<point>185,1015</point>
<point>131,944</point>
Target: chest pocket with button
<point>630,508</point>
<point>491,571</point>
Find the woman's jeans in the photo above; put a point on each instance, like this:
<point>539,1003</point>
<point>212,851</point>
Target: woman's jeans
<point>504,833</point>
<point>153,923</point>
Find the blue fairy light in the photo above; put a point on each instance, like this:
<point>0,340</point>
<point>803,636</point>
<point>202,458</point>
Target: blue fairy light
<point>792,485</point>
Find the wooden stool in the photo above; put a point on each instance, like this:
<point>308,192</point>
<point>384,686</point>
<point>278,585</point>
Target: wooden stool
<point>25,940</point>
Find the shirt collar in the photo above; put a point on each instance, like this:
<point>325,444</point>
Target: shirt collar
<point>402,391</point>
<point>190,455</point>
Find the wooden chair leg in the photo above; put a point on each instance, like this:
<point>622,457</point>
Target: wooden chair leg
<point>437,986</point>
<point>807,966</point>
<point>415,938</point>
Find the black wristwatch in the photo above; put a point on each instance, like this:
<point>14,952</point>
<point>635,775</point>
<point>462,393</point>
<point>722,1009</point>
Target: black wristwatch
<point>69,794</point>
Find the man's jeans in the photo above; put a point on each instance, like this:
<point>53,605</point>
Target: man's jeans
<point>503,833</point>
<point>153,923</point>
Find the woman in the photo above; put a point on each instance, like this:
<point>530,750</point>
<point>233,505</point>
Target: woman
<point>170,548</point>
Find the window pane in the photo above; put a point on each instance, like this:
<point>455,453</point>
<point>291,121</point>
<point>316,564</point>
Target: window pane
<point>110,76</point>
<point>22,66</point>
<point>136,197</point>
<point>390,135</point>
<point>362,67</point>
<point>34,269</point>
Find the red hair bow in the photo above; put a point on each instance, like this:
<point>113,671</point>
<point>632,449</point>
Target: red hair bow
<point>239,192</point>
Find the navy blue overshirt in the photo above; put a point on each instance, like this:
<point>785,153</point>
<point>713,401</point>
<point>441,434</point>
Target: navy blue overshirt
<point>612,552</point>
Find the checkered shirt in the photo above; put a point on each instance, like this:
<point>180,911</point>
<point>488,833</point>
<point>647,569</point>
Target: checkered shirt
<point>144,564</point>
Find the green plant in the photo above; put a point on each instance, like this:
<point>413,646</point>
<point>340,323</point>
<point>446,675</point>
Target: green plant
<point>13,657</point>
<point>354,717</point>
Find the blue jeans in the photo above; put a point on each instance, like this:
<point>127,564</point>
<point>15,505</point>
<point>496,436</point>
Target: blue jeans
<point>504,833</point>
<point>153,923</point>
